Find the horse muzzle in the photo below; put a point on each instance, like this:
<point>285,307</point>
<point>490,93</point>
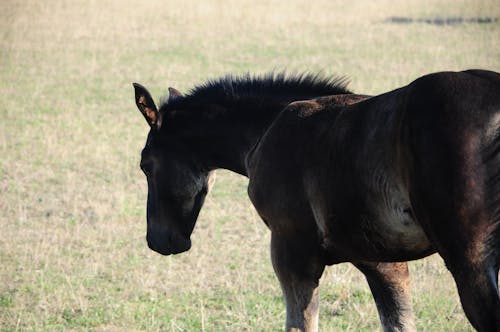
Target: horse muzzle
<point>168,243</point>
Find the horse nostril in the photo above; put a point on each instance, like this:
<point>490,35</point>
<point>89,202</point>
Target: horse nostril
<point>167,243</point>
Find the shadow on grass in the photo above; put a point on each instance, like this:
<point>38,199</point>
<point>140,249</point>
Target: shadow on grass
<point>442,21</point>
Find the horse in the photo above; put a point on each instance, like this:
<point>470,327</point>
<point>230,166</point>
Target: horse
<point>338,177</point>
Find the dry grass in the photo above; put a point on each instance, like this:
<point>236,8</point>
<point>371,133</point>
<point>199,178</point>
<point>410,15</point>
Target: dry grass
<point>72,249</point>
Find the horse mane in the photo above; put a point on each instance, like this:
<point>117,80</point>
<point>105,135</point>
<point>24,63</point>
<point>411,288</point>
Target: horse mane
<point>232,88</point>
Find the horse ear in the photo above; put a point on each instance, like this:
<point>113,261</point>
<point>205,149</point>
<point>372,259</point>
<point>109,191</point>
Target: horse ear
<point>147,106</point>
<point>173,94</point>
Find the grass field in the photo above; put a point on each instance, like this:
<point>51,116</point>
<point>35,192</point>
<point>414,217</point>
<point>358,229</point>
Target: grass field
<point>73,255</point>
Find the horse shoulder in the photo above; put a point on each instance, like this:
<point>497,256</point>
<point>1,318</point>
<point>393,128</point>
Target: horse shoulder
<point>275,169</point>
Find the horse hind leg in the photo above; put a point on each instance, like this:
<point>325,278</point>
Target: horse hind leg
<point>477,285</point>
<point>467,250</point>
<point>390,286</point>
<point>476,274</point>
<point>456,198</point>
<point>465,246</point>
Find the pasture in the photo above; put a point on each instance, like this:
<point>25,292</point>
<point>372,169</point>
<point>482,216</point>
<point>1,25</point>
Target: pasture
<point>73,254</point>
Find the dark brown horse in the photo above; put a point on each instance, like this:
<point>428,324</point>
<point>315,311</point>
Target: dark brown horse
<point>345,178</point>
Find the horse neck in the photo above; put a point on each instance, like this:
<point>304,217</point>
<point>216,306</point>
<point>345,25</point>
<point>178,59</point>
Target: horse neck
<point>234,133</point>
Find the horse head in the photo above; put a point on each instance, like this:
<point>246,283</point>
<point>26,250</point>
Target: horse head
<point>177,182</point>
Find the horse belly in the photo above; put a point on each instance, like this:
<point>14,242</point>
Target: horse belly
<point>398,230</point>
<point>392,239</point>
<point>386,231</point>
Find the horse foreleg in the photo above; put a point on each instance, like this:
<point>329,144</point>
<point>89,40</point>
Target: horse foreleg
<point>298,270</point>
<point>390,286</point>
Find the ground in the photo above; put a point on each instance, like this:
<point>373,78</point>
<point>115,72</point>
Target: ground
<point>73,254</point>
